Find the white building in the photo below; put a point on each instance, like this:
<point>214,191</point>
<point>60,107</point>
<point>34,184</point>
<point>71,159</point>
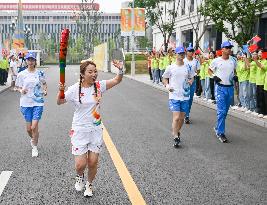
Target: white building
<point>50,18</point>
<point>183,32</point>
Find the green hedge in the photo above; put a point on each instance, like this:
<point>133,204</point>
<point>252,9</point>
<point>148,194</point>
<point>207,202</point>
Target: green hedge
<point>128,57</point>
<point>140,67</point>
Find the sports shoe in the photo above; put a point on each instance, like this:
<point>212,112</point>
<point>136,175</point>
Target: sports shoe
<point>234,107</point>
<point>177,142</point>
<point>265,117</point>
<point>187,120</point>
<point>260,115</point>
<point>248,112</point>
<point>240,108</point>
<point>222,138</point>
<point>79,185</point>
<point>255,113</point>
<point>34,151</point>
<point>88,190</point>
<point>210,101</point>
<point>31,143</point>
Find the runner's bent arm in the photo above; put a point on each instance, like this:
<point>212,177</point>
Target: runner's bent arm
<point>118,78</point>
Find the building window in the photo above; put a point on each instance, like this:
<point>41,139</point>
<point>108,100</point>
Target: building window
<point>183,7</point>
<point>192,6</point>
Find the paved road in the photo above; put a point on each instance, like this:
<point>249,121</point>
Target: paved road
<point>136,116</point>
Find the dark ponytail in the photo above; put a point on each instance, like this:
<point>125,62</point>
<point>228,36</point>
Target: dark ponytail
<point>80,88</point>
<point>95,89</point>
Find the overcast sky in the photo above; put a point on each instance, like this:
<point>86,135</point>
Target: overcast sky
<point>109,6</point>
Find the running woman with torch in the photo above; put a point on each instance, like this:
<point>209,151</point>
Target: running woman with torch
<point>86,132</point>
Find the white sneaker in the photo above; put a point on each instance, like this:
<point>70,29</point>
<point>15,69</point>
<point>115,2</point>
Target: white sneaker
<point>248,112</point>
<point>254,113</point>
<point>265,117</point>
<point>79,185</point>
<point>88,190</point>
<point>260,115</point>
<point>244,109</point>
<point>210,101</point>
<point>234,107</point>
<point>205,99</point>
<point>34,151</point>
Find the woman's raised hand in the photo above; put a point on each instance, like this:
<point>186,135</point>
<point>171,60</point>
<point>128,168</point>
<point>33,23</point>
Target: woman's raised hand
<point>118,64</point>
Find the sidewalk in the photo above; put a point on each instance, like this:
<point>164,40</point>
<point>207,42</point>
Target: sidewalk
<point>144,78</point>
<point>3,88</point>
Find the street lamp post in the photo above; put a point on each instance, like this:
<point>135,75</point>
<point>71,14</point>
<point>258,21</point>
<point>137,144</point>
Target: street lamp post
<point>27,34</point>
<point>12,28</point>
<point>133,34</point>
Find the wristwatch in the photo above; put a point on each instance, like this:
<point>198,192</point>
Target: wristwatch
<point>120,72</point>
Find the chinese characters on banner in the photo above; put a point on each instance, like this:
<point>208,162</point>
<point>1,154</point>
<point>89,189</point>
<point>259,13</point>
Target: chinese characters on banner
<point>18,36</point>
<point>139,21</point>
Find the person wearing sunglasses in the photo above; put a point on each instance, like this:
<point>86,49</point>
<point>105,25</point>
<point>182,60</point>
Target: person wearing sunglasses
<point>194,65</point>
<point>223,71</point>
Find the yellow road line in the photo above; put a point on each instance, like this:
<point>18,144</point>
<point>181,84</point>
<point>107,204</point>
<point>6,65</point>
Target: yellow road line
<point>127,181</point>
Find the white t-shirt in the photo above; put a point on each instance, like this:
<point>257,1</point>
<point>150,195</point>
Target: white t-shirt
<point>33,82</point>
<point>14,67</point>
<point>193,64</point>
<point>224,69</point>
<point>178,80</point>
<point>21,63</point>
<point>87,113</point>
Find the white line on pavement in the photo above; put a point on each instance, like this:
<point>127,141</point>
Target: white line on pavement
<point>4,177</point>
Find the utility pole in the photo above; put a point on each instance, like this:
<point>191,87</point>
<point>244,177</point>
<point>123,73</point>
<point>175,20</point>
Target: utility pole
<point>133,35</point>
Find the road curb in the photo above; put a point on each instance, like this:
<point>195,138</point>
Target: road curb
<point>5,89</point>
<point>234,113</point>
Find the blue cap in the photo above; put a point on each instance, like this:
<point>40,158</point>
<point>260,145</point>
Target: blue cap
<point>30,55</point>
<point>226,44</point>
<point>179,50</point>
<point>190,48</point>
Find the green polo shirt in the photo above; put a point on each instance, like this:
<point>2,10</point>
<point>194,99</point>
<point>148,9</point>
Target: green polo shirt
<point>242,71</point>
<point>166,61</point>
<point>260,75</point>
<point>161,63</point>
<point>4,64</point>
<point>253,71</point>
<point>265,81</point>
<point>155,63</point>
<point>202,71</point>
<point>207,69</point>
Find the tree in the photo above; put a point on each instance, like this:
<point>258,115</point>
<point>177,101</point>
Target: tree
<point>143,42</point>
<point>76,50</point>
<point>196,19</point>
<point>96,41</point>
<point>161,14</point>
<point>235,18</point>
<point>47,44</point>
<point>88,23</point>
